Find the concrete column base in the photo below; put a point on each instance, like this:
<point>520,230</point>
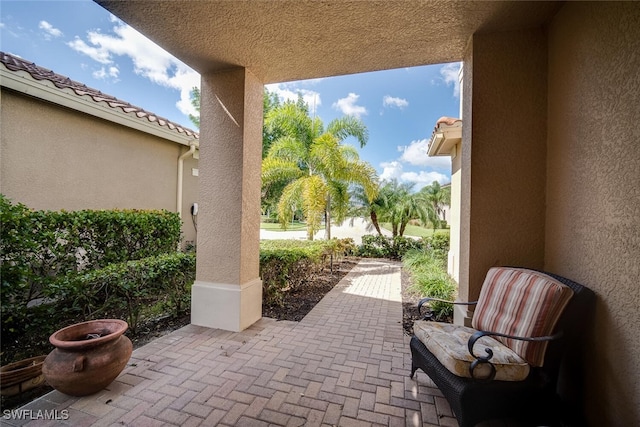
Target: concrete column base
<point>224,306</point>
<point>461,315</point>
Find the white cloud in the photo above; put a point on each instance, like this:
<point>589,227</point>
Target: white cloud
<point>424,178</point>
<point>391,170</point>
<point>416,154</point>
<point>49,30</point>
<point>149,60</point>
<point>390,101</point>
<point>290,91</point>
<point>99,55</point>
<point>450,75</point>
<point>104,73</point>
<point>186,79</point>
<point>348,106</point>
<point>395,170</point>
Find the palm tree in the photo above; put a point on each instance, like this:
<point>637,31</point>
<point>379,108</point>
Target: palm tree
<point>438,197</point>
<point>364,207</point>
<point>397,204</point>
<point>314,166</point>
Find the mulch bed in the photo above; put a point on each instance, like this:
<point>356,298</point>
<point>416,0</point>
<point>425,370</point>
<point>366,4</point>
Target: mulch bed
<point>297,304</point>
<point>409,304</point>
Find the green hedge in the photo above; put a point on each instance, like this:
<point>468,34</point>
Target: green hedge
<point>40,245</point>
<point>129,288</point>
<point>376,246</point>
<point>61,267</point>
<point>287,264</point>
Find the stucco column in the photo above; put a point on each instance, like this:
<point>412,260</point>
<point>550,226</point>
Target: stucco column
<point>227,293</point>
<point>502,218</point>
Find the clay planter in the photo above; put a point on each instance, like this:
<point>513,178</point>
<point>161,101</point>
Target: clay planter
<point>88,356</point>
<point>21,376</point>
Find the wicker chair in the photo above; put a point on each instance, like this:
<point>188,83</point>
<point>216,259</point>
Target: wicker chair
<point>541,317</point>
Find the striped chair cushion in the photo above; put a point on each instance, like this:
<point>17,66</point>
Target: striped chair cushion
<point>521,302</point>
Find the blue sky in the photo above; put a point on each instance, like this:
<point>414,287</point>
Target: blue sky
<point>83,41</point>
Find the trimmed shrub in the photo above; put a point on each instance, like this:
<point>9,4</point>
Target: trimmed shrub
<point>288,264</point>
<point>132,286</point>
<point>438,244</point>
<point>376,246</point>
<point>58,268</point>
<point>38,246</point>
<point>125,290</point>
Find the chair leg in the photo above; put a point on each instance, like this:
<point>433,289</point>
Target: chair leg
<point>414,368</point>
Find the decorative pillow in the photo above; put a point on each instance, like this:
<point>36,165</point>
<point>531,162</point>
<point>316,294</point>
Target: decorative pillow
<point>524,303</point>
<point>448,343</point>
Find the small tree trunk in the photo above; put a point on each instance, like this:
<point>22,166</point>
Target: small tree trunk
<point>327,219</point>
<point>402,227</point>
<point>374,221</point>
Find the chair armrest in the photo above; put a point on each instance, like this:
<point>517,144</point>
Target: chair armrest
<point>425,300</point>
<point>486,359</point>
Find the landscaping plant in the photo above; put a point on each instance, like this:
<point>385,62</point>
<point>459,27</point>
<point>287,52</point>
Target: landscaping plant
<point>289,264</point>
<point>59,268</point>
<point>429,275</point>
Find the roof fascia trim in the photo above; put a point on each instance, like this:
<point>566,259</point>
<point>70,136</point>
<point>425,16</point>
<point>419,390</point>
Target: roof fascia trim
<point>443,140</point>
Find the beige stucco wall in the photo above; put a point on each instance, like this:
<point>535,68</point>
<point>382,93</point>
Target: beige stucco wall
<point>593,190</point>
<point>503,155</point>
<point>454,214</point>
<point>190,195</point>
<point>55,158</point>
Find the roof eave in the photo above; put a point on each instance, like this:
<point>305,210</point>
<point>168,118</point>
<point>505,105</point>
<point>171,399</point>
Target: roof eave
<point>23,82</point>
<point>443,139</point>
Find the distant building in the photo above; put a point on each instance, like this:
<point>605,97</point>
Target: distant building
<point>446,140</point>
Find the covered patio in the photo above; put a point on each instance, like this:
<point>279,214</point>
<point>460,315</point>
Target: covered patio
<point>346,363</point>
<point>549,180</point>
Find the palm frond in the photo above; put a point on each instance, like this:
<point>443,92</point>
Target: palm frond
<point>314,202</point>
<point>276,170</point>
<point>287,147</point>
<point>290,201</point>
<point>364,174</point>
<point>292,121</point>
<point>339,200</point>
<point>349,152</point>
<point>347,126</point>
<point>325,155</point>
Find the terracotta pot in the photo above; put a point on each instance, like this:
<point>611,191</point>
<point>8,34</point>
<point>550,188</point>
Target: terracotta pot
<point>21,376</point>
<point>88,356</point>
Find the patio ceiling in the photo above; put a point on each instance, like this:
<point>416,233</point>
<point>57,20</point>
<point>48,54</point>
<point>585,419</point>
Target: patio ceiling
<point>301,39</point>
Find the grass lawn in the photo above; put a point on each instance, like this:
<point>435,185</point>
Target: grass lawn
<point>296,226</point>
<point>416,231</point>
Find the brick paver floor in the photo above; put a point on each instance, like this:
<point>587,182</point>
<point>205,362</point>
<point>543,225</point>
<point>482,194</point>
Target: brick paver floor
<point>347,363</point>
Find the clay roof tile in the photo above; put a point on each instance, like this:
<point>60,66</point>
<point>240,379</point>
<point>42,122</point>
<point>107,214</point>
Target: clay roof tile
<point>449,121</point>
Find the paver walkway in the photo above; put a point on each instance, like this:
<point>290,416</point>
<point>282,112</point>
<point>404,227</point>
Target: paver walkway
<point>346,364</point>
